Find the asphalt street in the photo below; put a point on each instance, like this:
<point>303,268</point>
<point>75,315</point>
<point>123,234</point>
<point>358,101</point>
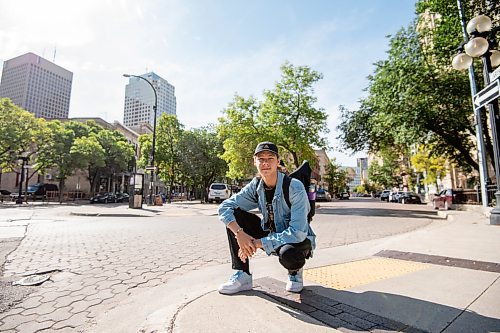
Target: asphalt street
<point>100,255</point>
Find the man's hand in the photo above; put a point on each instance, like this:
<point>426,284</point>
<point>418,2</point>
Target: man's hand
<point>242,256</point>
<point>246,244</point>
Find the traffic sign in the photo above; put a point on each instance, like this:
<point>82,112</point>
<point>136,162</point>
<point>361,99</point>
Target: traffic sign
<point>488,94</point>
<point>151,168</point>
<point>495,74</point>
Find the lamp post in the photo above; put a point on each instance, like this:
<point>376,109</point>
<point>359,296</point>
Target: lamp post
<point>152,166</point>
<point>481,45</point>
<point>23,158</point>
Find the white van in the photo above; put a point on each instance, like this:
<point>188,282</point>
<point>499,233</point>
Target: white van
<point>218,192</point>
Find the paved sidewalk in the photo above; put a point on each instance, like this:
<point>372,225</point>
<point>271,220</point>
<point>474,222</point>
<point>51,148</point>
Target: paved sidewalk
<point>441,278</point>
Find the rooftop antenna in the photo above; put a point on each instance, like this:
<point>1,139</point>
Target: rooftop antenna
<point>54,58</point>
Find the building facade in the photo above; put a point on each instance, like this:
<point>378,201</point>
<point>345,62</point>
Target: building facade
<point>354,177</point>
<point>37,85</point>
<point>362,164</point>
<point>139,100</point>
<point>322,165</point>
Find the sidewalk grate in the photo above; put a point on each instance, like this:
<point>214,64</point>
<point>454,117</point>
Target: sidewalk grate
<point>440,260</point>
<point>361,272</point>
<point>330,312</point>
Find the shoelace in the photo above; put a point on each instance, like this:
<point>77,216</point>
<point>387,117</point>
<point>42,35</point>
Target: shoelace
<point>235,276</point>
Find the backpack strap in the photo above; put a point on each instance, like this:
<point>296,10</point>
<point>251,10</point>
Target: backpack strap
<point>286,190</point>
<point>257,182</point>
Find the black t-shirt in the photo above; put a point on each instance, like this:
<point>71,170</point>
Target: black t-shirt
<point>269,225</point>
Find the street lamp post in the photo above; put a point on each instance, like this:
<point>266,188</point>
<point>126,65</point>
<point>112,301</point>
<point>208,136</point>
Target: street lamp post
<point>481,45</point>
<point>152,166</point>
<point>19,199</point>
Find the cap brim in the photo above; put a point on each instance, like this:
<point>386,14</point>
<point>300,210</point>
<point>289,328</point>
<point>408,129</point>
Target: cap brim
<point>268,150</point>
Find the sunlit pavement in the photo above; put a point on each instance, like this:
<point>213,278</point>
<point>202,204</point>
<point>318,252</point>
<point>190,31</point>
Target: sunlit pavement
<point>100,261</point>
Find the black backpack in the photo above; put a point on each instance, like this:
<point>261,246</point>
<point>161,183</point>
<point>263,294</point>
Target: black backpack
<point>303,173</point>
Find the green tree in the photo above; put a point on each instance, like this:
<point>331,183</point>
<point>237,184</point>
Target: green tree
<point>411,100</point>
<point>240,132</point>
<point>290,116</point>
<point>431,167</point>
<point>442,39</point>
<point>286,116</point>
<point>336,178</point>
<point>89,154</point>
<point>360,189</point>
<point>54,152</point>
<point>18,131</point>
<point>117,151</point>
<point>387,173</point>
<point>201,164</point>
<point>171,132</point>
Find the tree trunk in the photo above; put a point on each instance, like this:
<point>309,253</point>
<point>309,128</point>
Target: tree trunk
<point>295,159</point>
<point>61,190</point>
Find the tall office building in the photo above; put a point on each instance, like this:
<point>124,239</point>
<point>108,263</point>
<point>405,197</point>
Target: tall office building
<point>37,85</point>
<point>363,167</point>
<point>139,100</point>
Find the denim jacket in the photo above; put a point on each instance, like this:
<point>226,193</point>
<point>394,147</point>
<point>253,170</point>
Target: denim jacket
<point>291,224</point>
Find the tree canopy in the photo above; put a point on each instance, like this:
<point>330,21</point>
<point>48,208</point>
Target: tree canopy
<point>412,100</point>
<point>287,116</point>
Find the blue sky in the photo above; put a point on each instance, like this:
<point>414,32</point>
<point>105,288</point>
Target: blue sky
<point>208,49</point>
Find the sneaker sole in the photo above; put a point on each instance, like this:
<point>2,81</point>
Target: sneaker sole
<point>294,291</point>
<point>232,292</point>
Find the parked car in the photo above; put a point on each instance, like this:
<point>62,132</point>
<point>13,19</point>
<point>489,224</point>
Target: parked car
<point>408,197</point>
<point>36,191</point>
<point>344,196</point>
<point>393,196</point>
<point>443,199</point>
<point>104,197</point>
<point>218,192</point>
<point>384,196</point>
<point>4,194</point>
<point>323,195</point>
<point>122,197</point>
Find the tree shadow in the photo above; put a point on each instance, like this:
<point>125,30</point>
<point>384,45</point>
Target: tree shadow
<point>374,311</point>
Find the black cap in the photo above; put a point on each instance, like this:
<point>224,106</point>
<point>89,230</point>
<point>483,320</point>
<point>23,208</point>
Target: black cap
<point>266,146</point>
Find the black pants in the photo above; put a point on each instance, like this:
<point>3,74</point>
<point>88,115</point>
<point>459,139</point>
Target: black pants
<point>291,256</point>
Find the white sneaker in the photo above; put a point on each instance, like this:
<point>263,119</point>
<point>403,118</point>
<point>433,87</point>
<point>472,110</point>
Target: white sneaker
<point>295,282</point>
<point>239,281</point>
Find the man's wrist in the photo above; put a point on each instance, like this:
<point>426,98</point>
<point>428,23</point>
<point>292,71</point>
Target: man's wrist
<point>237,231</point>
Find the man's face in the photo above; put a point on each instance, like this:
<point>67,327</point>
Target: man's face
<point>266,163</point>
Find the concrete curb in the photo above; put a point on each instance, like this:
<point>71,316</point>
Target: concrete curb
<point>108,214</point>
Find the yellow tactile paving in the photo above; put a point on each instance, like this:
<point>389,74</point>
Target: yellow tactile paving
<point>356,273</point>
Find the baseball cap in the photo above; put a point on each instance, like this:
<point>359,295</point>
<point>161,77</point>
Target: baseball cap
<point>266,146</point>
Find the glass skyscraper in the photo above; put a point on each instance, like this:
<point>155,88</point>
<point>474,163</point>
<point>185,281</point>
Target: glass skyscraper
<point>139,99</point>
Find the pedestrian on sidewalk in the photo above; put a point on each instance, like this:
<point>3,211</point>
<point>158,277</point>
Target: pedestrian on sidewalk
<point>283,230</point>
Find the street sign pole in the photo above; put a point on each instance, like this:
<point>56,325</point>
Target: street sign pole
<point>489,95</point>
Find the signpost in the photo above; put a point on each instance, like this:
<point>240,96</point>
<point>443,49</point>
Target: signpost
<point>488,94</point>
